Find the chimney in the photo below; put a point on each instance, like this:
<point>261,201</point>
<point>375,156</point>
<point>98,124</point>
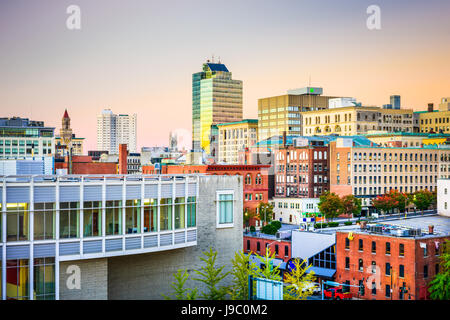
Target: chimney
<point>123,159</point>
<point>430,107</point>
<point>430,229</point>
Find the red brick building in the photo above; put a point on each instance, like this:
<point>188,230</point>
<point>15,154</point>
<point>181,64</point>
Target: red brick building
<point>392,262</point>
<point>257,245</point>
<point>85,165</point>
<point>302,171</point>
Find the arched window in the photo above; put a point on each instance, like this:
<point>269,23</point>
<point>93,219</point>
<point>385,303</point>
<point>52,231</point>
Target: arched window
<point>248,179</point>
<point>258,179</point>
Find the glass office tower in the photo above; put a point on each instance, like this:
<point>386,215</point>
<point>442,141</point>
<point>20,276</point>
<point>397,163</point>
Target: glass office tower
<point>216,98</point>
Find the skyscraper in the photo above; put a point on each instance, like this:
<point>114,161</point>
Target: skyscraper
<point>216,98</point>
<point>395,101</point>
<point>113,130</point>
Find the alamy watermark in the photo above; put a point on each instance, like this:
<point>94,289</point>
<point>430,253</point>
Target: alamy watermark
<point>73,21</point>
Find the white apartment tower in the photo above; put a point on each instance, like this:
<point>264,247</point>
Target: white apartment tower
<point>113,130</point>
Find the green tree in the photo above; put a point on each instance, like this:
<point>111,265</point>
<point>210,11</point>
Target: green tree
<point>248,215</point>
<point>439,286</point>
<point>211,275</point>
<point>351,205</point>
<point>241,270</point>
<point>330,205</point>
<point>180,292</point>
<point>301,284</point>
<point>423,199</point>
<point>401,198</point>
<point>269,271</point>
<point>265,211</point>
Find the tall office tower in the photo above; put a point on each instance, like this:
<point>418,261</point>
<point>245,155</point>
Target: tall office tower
<point>216,98</point>
<point>113,130</point>
<point>283,113</point>
<point>395,102</point>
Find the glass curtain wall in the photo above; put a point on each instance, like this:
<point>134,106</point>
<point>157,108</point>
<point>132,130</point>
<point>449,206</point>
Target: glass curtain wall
<point>92,218</point>
<point>17,279</point>
<point>44,279</point>
<point>133,216</point>
<point>69,220</point>
<point>113,217</point>
<point>165,214</point>
<point>191,212</point>
<point>44,221</point>
<point>180,213</point>
<point>150,215</point>
<point>17,222</point>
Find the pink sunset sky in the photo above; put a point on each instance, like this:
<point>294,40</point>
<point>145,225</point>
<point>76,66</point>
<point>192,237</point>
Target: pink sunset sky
<point>138,56</point>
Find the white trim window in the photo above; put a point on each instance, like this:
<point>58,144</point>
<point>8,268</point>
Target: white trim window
<point>225,200</point>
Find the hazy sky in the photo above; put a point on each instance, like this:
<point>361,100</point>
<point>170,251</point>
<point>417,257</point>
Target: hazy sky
<point>138,56</point>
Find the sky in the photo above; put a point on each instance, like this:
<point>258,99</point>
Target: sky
<point>138,56</point>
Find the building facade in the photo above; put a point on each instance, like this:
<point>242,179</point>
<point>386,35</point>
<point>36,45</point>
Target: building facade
<point>66,141</point>
<point>234,137</point>
<point>443,197</point>
<point>367,171</point>
<point>216,98</point>
<point>21,137</point>
<point>395,262</point>
<point>283,113</point>
<point>293,210</point>
<point>357,120</point>
<point>125,236</point>
<point>113,130</point>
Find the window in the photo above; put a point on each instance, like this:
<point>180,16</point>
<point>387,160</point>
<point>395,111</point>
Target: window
<point>347,243</point>
<point>225,209</point>
<point>92,219</point>
<point>388,269</point>
<point>388,248</point>
<point>374,247</point>
<point>133,216</point>
<point>113,217</point>
<point>347,263</point>
<point>401,249</point>
<point>425,271</point>
<point>165,214</point>
<point>44,278</point>
<point>69,220</point>
<point>374,288</point>
<point>191,212</point>
<point>17,279</point>
<point>258,246</point>
<point>286,251</point>
<point>401,271</point>
<point>179,213</point>
<point>17,222</point>
<point>374,267</point>
<point>44,221</point>
<point>361,265</point>
<point>150,215</point>
<point>360,246</point>
<point>388,291</point>
<point>248,245</point>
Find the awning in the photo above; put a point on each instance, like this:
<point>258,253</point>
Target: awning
<point>322,272</point>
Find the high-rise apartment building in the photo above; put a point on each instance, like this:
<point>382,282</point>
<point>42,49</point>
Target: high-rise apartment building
<point>216,98</point>
<point>113,130</point>
<point>283,113</point>
<point>395,101</point>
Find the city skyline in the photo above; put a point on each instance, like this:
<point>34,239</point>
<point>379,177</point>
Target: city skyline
<point>144,65</point>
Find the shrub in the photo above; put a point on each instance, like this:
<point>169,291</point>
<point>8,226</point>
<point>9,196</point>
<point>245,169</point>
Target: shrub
<point>276,224</point>
<point>348,223</point>
<point>333,224</point>
<point>252,229</point>
<point>320,225</point>
<point>269,229</point>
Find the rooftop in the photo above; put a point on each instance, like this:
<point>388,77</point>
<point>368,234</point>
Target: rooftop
<point>409,228</point>
<point>217,67</point>
<point>238,122</point>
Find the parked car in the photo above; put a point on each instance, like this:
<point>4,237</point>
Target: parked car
<point>336,293</point>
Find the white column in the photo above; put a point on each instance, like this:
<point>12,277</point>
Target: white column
<point>31,237</point>
<point>103,211</point>
<point>3,217</point>
<point>124,197</point>
<point>81,215</point>
<point>158,210</point>
<point>57,242</point>
<point>142,211</point>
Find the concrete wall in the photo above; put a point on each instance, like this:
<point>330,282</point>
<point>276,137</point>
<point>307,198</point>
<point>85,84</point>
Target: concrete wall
<point>443,197</point>
<point>93,283</point>
<point>147,276</point>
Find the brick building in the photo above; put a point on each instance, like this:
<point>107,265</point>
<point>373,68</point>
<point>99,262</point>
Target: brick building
<point>257,245</point>
<point>404,255</point>
<point>302,169</point>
